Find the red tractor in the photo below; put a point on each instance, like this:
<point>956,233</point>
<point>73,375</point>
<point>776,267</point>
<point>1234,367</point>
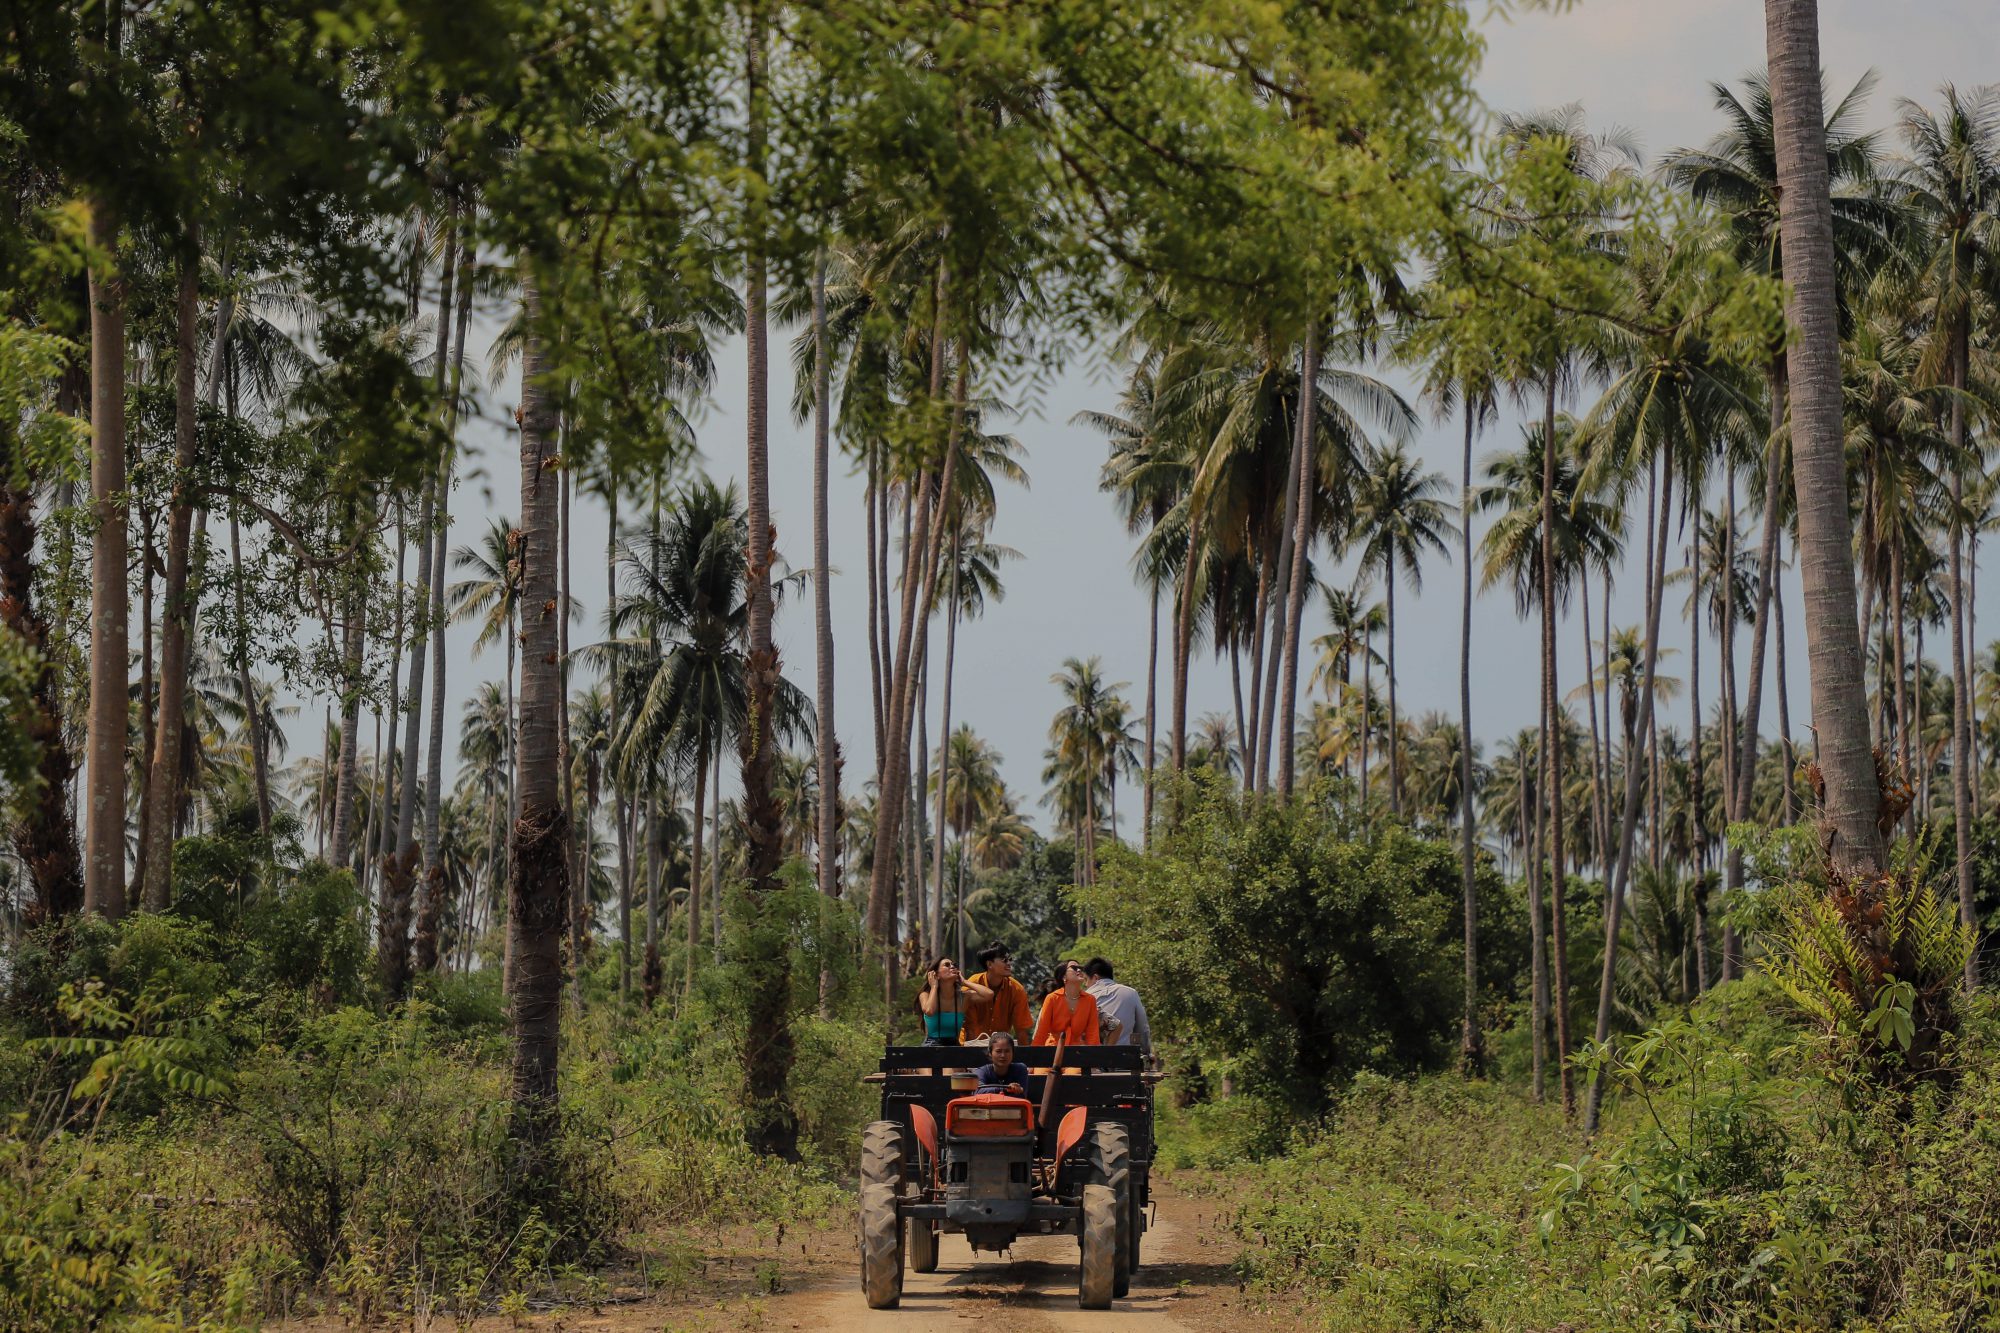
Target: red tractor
<point>1074,1156</point>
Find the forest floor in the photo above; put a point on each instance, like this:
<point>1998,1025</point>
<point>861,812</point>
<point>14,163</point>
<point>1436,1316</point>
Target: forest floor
<point>779,1281</point>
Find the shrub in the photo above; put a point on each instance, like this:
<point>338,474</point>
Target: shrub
<point>1291,940</point>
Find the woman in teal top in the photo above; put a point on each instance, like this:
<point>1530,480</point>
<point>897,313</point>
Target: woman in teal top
<point>942,1002</point>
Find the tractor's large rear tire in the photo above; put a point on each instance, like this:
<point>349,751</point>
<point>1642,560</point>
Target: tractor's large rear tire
<point>1111,1167</point>
<point>923,1243</point>
<point>1097,1265</point>
<point>881,1224</point>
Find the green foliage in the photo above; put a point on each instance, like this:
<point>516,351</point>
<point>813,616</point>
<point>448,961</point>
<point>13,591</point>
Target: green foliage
<point>1344,933</point>
<point>1875,962</point>
<point>1733,1186</point>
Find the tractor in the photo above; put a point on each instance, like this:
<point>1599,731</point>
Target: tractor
<point>1074,1155</point>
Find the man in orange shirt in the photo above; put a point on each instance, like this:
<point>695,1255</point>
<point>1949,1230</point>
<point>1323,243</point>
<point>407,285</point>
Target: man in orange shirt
<point>1007,1011</point>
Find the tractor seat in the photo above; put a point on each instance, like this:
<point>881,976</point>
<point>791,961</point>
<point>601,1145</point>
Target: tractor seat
<point>990,1115</point>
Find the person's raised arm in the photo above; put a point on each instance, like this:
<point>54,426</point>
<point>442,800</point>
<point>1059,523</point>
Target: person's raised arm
<point>927,997</point>
<point>975,992</point>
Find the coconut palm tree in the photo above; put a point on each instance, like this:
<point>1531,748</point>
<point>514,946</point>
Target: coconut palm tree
<point>1950,184</point>
<point>1079,753</point>
<point>1148,474</point>
<point>491,596</point>
<point>1853,802</point>
<point>1398,519</point>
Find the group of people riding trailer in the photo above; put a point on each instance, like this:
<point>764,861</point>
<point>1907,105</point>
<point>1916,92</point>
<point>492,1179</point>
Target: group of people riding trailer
<point>983,1137</point>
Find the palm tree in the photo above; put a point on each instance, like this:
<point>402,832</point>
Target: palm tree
<point>1672,401</point>
<point>1079,755</point>
<point>1951,184</point>
<point>974,579</point>
<point>970,792</point>
<point>1148,474</point>
<point>1215,746</point>
<point>1737,174</point>
<point>1853,801</point>
<point>491,596</point>
<point>1398,518</point>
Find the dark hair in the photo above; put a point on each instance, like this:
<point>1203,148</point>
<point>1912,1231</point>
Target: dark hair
<point>958,991</point>
<point>992,951</point>
<point>1053,984</point>
<point>1097,967</point>
<point>1002,1035</point>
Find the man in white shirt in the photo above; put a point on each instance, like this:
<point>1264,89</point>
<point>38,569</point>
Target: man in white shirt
<point>1121,1014</point>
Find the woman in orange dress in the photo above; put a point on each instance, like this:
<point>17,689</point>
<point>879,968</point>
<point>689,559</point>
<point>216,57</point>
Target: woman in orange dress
<point>1069,1013</point>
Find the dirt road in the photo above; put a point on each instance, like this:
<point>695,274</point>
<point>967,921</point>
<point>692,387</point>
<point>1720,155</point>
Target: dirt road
<point>810,1281</point>
<point>1187,1281</point>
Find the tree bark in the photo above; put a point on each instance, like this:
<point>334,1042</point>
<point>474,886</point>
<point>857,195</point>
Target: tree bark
<point>177,611</point>
<point>1295,596</point>
<point>1833,642</point>
<point>766,956</point>
<point>104,850</point>
<point>1628,821</point>
<point>353,636</point>
<point>1152,682</point>
<point>1471,1045</point>
<point>1961,700</point>
<point>827,747</point>
<point>1551,751</point>
<point>944,744</point>
<point>539,837</point>
<point>1697,789</point>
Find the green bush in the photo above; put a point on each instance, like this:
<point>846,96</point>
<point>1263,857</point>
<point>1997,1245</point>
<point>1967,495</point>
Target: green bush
<point>1292,941</point>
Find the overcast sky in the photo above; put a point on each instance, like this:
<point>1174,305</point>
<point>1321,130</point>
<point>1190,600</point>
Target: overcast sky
<point>1643,65</point>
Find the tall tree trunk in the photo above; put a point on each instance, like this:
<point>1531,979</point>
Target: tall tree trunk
<point>430,910</point>
<point>1784,722</point>
<point>1961,699</point>
<point>1184,642</point>
<point>944,744</point>
<point>1152,682</point>
<point>579,834</point>
<point>1295,596</point>
<point>1538,957</point>
<point>1395,730</point>
<point>539,837</point>
<point>695,861</point>
<point>104,850</point>
<point>920,567</point>
<point>1628,820</point>
<point>1767,583</point>
<point>148,693</point>
<point>177,612</point>
<point>1267,709</point>
<point>1697,791</point>
<point>766,961</point>
<point>1367,707</point>
<point>1471,1045</point>
<point>400,870</point>
<point>1256,740</point>
<point>876,596</point>
<point>354,635</point>
<point>1597,798</point>
<point>1551,751</point>
<point>827,747</point>
<point>1833,642</point>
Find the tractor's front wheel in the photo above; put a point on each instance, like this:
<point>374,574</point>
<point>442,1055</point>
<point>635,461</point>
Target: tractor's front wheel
<point>1135,1220</point>
<point>881,1224</point>
<point>1097,1265</point>
<point>923,1244</point>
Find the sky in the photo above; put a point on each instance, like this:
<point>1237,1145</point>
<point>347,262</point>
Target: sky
<point>1642,65</point>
